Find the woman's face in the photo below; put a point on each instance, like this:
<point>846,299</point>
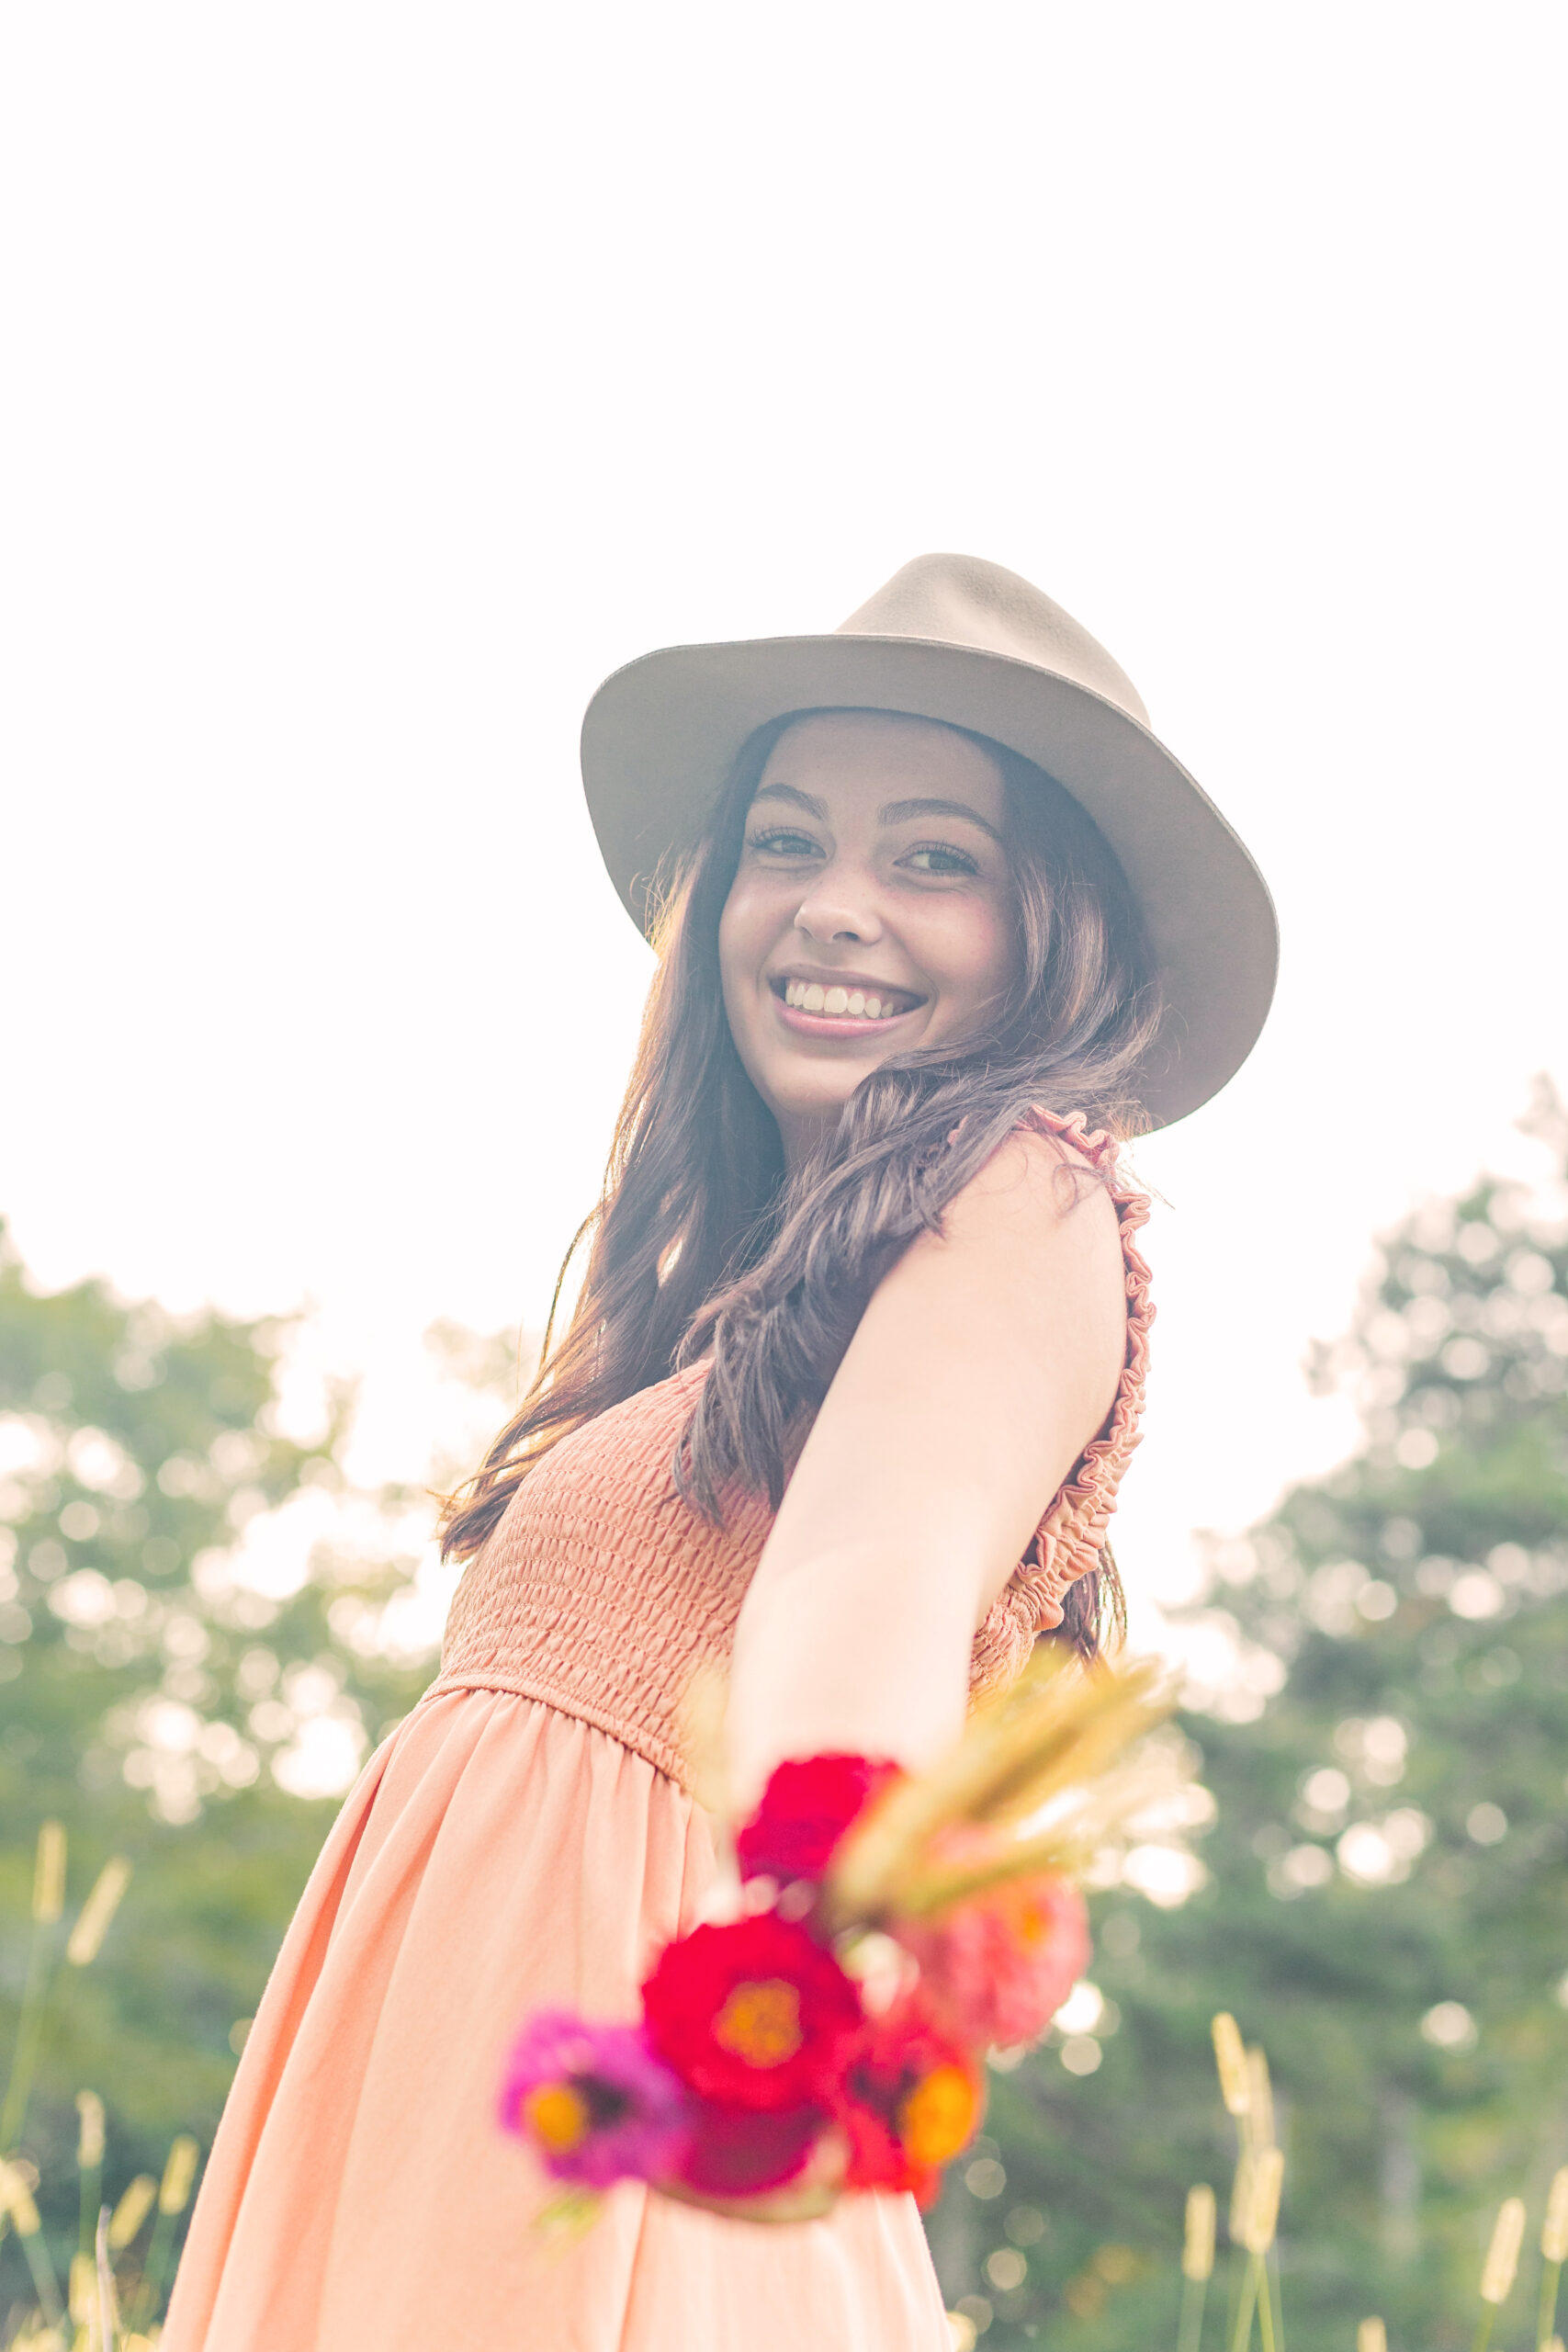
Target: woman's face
<point>871,911</point>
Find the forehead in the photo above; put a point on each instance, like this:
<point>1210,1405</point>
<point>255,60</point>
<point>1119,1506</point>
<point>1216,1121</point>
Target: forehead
<point>889,754</point>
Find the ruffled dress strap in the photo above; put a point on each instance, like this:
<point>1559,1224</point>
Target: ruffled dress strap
<point>1067,1543</point>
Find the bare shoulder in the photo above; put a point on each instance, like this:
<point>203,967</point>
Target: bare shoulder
<point>986,1360</point>
<point>1039,1197</point>
<point>1024,1284</point>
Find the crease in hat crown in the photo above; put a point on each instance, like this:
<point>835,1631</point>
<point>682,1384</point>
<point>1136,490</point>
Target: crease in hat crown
<point>964,600</point>
<point>968,644</point>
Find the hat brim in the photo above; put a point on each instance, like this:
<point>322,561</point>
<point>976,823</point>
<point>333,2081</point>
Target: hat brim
<point>661,736</point>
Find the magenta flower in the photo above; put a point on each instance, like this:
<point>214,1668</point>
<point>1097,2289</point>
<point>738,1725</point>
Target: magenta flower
<point>593,2102</point>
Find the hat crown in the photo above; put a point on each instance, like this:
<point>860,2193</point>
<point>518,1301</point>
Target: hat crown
<point>964,600</point>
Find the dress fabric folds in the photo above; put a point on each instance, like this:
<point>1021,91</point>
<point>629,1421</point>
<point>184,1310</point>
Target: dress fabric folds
<point>523,1840</point>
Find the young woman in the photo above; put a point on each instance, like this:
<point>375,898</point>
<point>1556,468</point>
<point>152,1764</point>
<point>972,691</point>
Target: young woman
<point>856,1367</point>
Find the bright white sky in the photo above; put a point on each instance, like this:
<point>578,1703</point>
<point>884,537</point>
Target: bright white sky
<point>379,377</point>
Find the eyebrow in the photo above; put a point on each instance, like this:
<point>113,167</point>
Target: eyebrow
<point>895,812</point>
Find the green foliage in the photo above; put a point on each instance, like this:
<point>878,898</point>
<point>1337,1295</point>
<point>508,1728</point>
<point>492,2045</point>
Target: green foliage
<point>148,1688</point>
<point>1386,1907</point>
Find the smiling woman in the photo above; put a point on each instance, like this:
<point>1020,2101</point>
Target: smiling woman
<point>871,910</point>
<point>856,1366</point>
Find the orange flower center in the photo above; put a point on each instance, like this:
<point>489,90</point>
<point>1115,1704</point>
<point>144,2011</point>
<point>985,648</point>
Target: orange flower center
<point>557,2117</point>
<point>761,2022</point>
<point>1032,1923</point>
<point>938,2116</point>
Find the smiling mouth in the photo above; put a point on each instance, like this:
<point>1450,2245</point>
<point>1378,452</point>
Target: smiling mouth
<point>843,1002</point>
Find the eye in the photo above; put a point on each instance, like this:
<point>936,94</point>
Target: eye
<point>781,840</point>
<point>940,858</point>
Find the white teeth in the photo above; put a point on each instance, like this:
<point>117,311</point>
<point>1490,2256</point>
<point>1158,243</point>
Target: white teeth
<point>809,996</point>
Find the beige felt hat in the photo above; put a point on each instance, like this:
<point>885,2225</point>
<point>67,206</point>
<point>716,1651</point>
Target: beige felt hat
<point>955,639</point>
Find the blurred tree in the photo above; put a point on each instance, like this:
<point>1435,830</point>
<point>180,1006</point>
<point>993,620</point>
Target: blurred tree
<point>1386,1907</point>
<point>197,1646</point>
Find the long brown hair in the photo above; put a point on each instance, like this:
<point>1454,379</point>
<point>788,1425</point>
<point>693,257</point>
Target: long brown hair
<point>704,1244</point>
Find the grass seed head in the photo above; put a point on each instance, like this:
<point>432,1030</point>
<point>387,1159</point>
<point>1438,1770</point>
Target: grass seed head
<point>82,2299</point>
<point>1198,2247</point>
<point>49,1874</point>
<point>16,2199</point>
<point>1554,2228</point>
<point>93,1924</point>
<point>174,2192</point>
<point>1259,2100</point>
<point>1503,2253</point>
<point>132,2211</point>
<point>1371,2337</point>
<point>90,2136</point>
<point>1263,2205</point>
<point>1230,2056</point>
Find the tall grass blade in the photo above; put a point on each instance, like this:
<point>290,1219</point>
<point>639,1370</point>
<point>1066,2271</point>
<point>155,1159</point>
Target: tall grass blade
<point>49,1901</point>
<point>108,2309</point>
<point>1241,2333</point>
<point>16,2203</point>
<point>173,2196</point>
<point>89,2165</point>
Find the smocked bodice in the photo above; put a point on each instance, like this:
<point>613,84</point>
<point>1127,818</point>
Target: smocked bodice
<point>600,1591</point>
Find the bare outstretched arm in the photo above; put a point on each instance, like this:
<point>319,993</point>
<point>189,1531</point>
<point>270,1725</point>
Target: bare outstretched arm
<point>984,1365</point>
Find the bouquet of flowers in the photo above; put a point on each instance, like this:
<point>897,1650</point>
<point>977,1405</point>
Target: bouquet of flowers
<point>892,1928</point>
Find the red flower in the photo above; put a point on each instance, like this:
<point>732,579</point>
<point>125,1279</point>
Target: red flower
<point>735,2151</point>
<point>1001,1964</point>
<point>807,1806</point>
<point>752,2014</point>
<point>912,2097</point>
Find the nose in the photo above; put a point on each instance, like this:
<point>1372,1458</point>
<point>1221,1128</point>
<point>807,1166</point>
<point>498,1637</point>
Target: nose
<point>835,908</point>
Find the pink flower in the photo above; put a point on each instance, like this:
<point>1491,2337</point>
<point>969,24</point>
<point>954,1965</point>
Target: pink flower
<point>1000,1965</point>
<point>593,2102</point>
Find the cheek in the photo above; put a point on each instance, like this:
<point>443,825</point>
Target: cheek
<point>742,940</point>
<point>747,930</point>
<point>973,956</point>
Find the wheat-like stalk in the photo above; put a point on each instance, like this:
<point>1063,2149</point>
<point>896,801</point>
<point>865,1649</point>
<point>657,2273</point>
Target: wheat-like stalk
<point>1197,2266</point>
<point>132,2211</point>
<point>1040,1780</point>
<point>1554,2248</point>
<point>49,1874</point>
<point>1500,2266</point>
<point>1259,2119</point>
<point>89,2166</point>
<point>1503,2253</point>
<point>1197,2243</point>
<point>93,1924</point>
<point>1230,2058</point>
<point>173,2195</point>
<point>1371,2336</point>
<point>49,1901</point>
<point>1262,2214</point>
<point>17,2207</point>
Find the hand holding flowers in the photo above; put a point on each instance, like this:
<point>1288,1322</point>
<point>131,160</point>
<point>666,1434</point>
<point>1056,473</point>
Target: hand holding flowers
<point>831,2038</point>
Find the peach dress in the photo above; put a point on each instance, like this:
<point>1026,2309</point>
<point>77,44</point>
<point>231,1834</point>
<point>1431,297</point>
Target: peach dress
<point>523,1837</point>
